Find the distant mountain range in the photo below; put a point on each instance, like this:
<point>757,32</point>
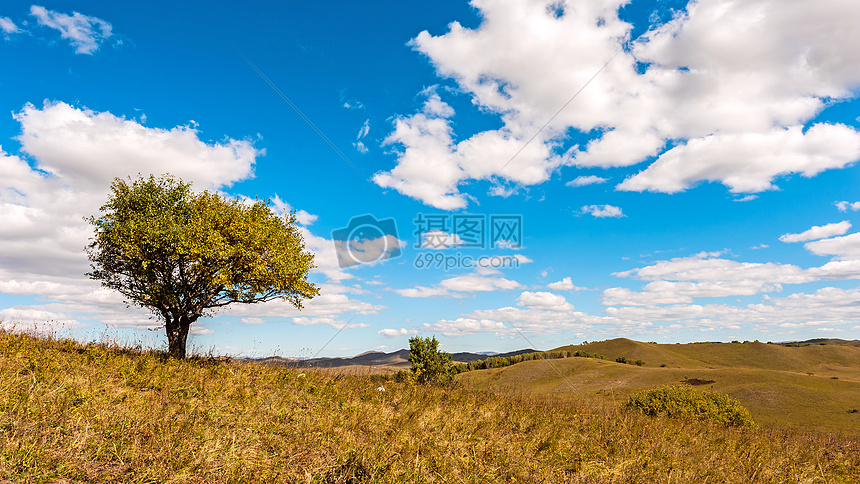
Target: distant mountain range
<point>400,359</point>
<point>396,359</point>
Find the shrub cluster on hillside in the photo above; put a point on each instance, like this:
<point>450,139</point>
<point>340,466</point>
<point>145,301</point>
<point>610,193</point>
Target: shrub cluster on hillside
<point>686,403</point>
<point>502,361</point>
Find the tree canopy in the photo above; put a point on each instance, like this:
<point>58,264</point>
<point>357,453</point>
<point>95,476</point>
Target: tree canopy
<point>181,254</point>
<point>429,364</point>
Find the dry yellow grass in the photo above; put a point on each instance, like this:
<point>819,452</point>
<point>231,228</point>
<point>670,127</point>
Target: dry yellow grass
<point>781,386</point>
<point>73,413</point>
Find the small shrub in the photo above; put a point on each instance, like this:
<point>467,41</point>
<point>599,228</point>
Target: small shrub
<point>639,363</point>
<point>621,359</point>
<point>663,365</point>
<point>834,377</point>
<point>687,403</point>
<point>429,364</point>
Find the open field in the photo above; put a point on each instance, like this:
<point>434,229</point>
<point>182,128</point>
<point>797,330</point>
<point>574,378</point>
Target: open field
<point>74,413</point>
<point>811,387</point>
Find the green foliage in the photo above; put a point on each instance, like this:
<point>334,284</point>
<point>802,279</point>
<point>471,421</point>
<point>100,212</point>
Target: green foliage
<point>181,254</point>
<point>687,403</point>
<point>502,361</point>
<point>429,365</point>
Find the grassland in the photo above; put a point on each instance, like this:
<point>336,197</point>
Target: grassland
<point>96,413</point>
<point>809,387</point>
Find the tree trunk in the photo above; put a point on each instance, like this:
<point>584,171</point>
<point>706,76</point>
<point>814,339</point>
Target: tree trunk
<point>177,335</point>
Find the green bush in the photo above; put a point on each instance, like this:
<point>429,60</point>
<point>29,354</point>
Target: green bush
<point>429,364</point>
<point>687,403</point>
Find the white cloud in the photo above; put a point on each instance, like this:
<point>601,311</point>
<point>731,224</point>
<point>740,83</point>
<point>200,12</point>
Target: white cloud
<point>8,26</point>
<point>90,149</point>
<point>421,291</point>
<point>284,208</point>
<point>478,283</point>
<point>484,279</point>
<point>818,232</point>
<point>704,275</point>
<point>582,181</point>
<point>544,300</point>
<point>565,284</point>
<point>359,145</point>
<point>253,321</point>
<point>84,33</point>
<point>17,319</point>
<point>394,333</point>
<point>619,296</point>
<point>707,267</point>
<point>845,206</point>
<point>466,326</point>
<point>603,211</point>
<point>749,162</point>
<point>714,86</point>
<point>431,165</point>
<point>844,248</point>
<point>327,320</point>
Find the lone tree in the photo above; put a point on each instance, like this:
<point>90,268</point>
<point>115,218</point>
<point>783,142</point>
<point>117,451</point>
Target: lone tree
<point>429,365</point>
<point>182,254</point>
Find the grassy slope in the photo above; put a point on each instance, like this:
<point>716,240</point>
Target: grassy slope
<point>772,381</point>
<point>72,413</point>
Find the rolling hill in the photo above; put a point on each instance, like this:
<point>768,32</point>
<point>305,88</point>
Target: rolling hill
<point>812,386</point>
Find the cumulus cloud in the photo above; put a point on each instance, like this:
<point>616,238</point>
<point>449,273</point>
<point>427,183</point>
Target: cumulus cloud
<point>284,208</point>
<point>467,326</point>
<point>83,32</point>
<point>16,319</point>
<point>565,284</point>
<point>704,275</point>
<point>484,279</point>
<point>845,206</point>
<point>328,321</point>
<point>582,181</point>
<point>544,300</point>
<point>845,247</point>
<point>749,162</point>
<point>478,283</point>
<point>394,333</point>
<point>421,291</point>
<point>602,211</point>
<point>705,93</point>
<point>818,232</point>
<point>8,26</point>
<point>88,148</point>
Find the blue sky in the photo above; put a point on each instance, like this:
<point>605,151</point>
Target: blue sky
<point>679,171</point>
